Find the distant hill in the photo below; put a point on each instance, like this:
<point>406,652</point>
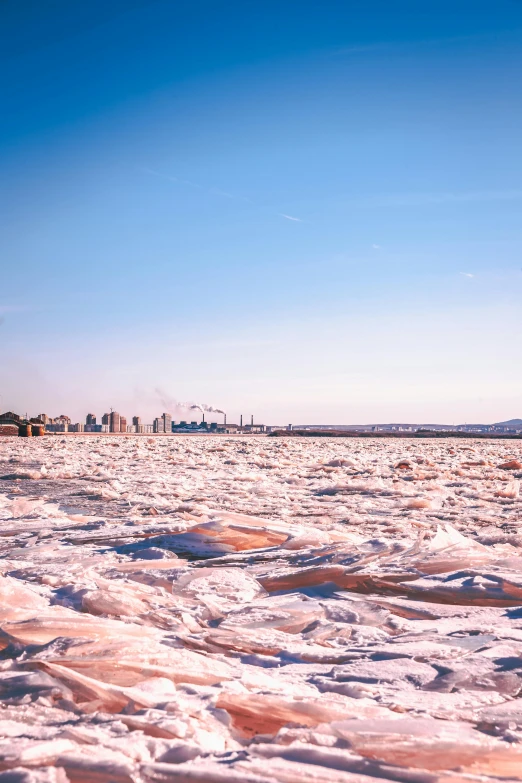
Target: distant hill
<point>510,423</point>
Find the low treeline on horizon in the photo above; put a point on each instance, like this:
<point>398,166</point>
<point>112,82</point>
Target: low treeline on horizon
<point>328,433</point>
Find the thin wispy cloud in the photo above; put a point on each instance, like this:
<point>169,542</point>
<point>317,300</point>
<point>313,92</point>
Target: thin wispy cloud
<point>219,192</point>
<point>467,274</point>
<point>397,45</point>
<point>426,199</point>
<point>211,191</point>
<point>376,247</point>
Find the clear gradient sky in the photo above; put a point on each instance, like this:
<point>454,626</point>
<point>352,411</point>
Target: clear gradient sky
<point>309,211</point>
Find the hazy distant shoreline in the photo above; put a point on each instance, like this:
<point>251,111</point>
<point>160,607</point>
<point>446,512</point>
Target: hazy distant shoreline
<point>420,434</point>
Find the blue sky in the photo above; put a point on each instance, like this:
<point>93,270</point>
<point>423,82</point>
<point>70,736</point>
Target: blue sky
<point>305,211</point>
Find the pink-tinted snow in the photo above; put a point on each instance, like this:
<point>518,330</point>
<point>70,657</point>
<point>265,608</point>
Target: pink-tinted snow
<point>262,610</point>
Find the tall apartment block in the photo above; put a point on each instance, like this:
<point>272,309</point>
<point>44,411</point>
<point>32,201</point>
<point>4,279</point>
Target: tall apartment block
<point>114,421</point>
<point>136,422</point>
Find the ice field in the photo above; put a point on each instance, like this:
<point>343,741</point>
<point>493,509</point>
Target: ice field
<point>266,610</point>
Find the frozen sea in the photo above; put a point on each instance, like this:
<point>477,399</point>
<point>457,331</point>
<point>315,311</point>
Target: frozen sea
<point>256,609</point>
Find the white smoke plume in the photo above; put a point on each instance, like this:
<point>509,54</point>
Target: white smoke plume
<point>201,406</point>
<point>171,404</point>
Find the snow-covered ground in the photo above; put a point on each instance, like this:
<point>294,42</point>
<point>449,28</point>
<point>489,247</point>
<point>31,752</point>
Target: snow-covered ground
<point>221,609</point>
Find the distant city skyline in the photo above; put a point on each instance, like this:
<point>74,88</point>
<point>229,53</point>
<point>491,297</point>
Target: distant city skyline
<point>306,210</point>
<point>116,423</point>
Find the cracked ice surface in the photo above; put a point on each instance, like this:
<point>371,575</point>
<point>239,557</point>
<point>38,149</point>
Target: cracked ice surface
<point>260,610</point>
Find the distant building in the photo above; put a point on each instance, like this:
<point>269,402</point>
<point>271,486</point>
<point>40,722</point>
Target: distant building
<point>44,418</point>
<point>123,424</point>
<point>90,418</point>
<point>95,427</point>
<point>9,416</point>
<point>183,426</point>
<point>57,428</point>
<point>229,428</point>
<point>62,423</point>
<point>254,428</point>
<point>148,428</point>
<point>136,423</point>
<point>10,430</point>
<point>76,427</point>
<point>105,428</point>
<point>106,418</point>
<point>114,421</point>
<point>163,423</point>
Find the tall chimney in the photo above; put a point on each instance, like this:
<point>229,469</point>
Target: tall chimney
<point>252,420</point>
<point>241,420</point>
<point>225,419</point>
<point>203,417</point>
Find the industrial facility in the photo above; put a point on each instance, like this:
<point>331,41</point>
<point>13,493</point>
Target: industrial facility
<point>115,423</point>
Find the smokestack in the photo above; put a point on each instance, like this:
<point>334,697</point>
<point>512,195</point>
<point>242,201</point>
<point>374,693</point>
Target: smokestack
<point>241,420</point>
<point>225,419</point>
<point>252,420</point>
<point>203,417</point>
